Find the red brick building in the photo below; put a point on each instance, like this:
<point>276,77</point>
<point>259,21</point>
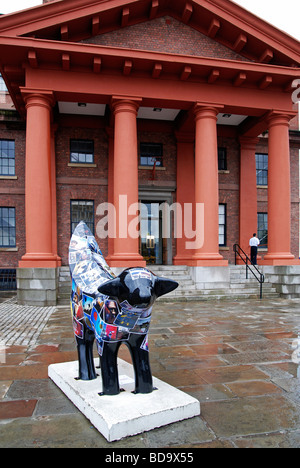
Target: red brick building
<point>158,101</point>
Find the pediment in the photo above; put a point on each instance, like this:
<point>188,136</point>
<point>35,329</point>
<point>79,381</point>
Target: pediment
<point>192,41</point>
<point>166,35</point>
<point>220,21</point>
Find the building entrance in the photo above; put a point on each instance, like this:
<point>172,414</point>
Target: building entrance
<point>151,233</point>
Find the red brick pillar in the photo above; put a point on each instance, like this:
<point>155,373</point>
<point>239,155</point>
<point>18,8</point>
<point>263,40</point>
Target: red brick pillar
<point>38,182</point>
<point>207,188</point>
<point>125,189</point>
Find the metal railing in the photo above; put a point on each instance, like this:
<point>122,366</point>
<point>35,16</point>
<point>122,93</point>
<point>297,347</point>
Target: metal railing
<point>8,281</point>
<point>238,251</point>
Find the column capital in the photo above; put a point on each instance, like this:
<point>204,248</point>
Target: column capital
<point>279,118</point>
<point>125,104</point>
<point>38,97</point>
<point>206,110</point>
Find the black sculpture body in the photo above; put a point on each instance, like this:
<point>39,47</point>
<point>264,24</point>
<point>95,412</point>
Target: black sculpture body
<point>112,310</point>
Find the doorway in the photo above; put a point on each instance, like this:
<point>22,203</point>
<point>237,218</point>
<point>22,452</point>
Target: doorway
<point>156,225</point>
<point>151,233</point>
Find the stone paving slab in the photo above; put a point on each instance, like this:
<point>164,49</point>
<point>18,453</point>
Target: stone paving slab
<point>239,359</point>
<point>21,325</point>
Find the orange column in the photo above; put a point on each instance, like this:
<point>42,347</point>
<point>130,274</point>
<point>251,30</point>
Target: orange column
<point>38,193</point>
<point>279,193</point>
<point>125,189</point>
<point>248,192</point>
<point>53,195</point>
<point>207,188</point>
<point>110,190</point>
<point>185,196</point>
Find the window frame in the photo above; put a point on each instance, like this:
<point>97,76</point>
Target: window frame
<point>90,224</point>
<point>82,152</point>
<point>222,158</point>
<point>11,229</point>
<point>224,234</point>
<point>7,157</point>
<point>265,214</point>
<point>263,171</point>
<point>158,157</point>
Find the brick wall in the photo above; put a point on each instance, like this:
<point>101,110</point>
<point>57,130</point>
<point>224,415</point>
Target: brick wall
<point>169,157</point>
<point>82,183</point>
<point>12,191</point>
<point>165,34</point>
<point>229,194</point>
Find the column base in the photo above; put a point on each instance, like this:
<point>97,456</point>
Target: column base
<point>209,263</point>
<point>37,286</point>
<point>40,261</point>
<point>183,260</point>
<point>279,262</point>
<point>126,260</point>
<point>207,259</point>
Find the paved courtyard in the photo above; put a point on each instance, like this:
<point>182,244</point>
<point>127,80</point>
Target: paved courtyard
<point>240,359</point>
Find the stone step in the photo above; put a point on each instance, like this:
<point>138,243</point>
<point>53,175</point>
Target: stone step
<point>229,291</point>
<point>239,287</point>
<point>216,297</point>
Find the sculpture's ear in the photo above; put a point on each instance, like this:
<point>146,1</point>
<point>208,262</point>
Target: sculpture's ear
<point>111,288</point>
<point>163,286</point>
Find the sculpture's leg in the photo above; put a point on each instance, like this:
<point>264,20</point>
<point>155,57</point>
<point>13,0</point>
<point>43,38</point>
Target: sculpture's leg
<point>141,364</point>
<point>109,369</point>
<point>85,356</point>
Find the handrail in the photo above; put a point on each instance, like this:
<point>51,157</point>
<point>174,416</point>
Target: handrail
<point>261,278</point>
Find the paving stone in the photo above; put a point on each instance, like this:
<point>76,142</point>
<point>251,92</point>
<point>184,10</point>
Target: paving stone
<point>17,409</point>
<point>28,389</point>
<point>246,416</point>
<point>234,357</point>
<point>52,406</point>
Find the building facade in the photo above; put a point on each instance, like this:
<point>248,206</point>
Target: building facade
<point>183,106</point>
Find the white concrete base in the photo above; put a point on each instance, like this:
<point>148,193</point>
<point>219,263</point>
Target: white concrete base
<point>125,414</point>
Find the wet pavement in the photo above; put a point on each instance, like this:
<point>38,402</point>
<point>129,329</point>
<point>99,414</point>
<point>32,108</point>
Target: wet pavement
<point>240,359</point>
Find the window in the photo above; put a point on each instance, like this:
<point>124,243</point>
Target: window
<point>222,224</point>
<point>151,153</point>
<point>7,157</point>
<point>7,227</point>
<point>222,159</point>
<point>262,229</point>
<point>82,210</point>
<point>261,169</point>
<point>3,87</point>
<point>82,151</point>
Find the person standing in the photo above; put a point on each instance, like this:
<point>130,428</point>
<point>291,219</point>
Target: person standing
<point>254,243</point>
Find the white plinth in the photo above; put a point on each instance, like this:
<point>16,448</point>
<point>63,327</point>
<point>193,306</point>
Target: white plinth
<point>125,414</point>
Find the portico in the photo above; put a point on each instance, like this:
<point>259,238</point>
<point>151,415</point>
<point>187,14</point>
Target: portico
<point>199,172</point>
<point>249,84</point>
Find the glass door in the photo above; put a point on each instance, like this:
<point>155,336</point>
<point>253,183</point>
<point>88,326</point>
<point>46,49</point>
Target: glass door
<point>151,233</point>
